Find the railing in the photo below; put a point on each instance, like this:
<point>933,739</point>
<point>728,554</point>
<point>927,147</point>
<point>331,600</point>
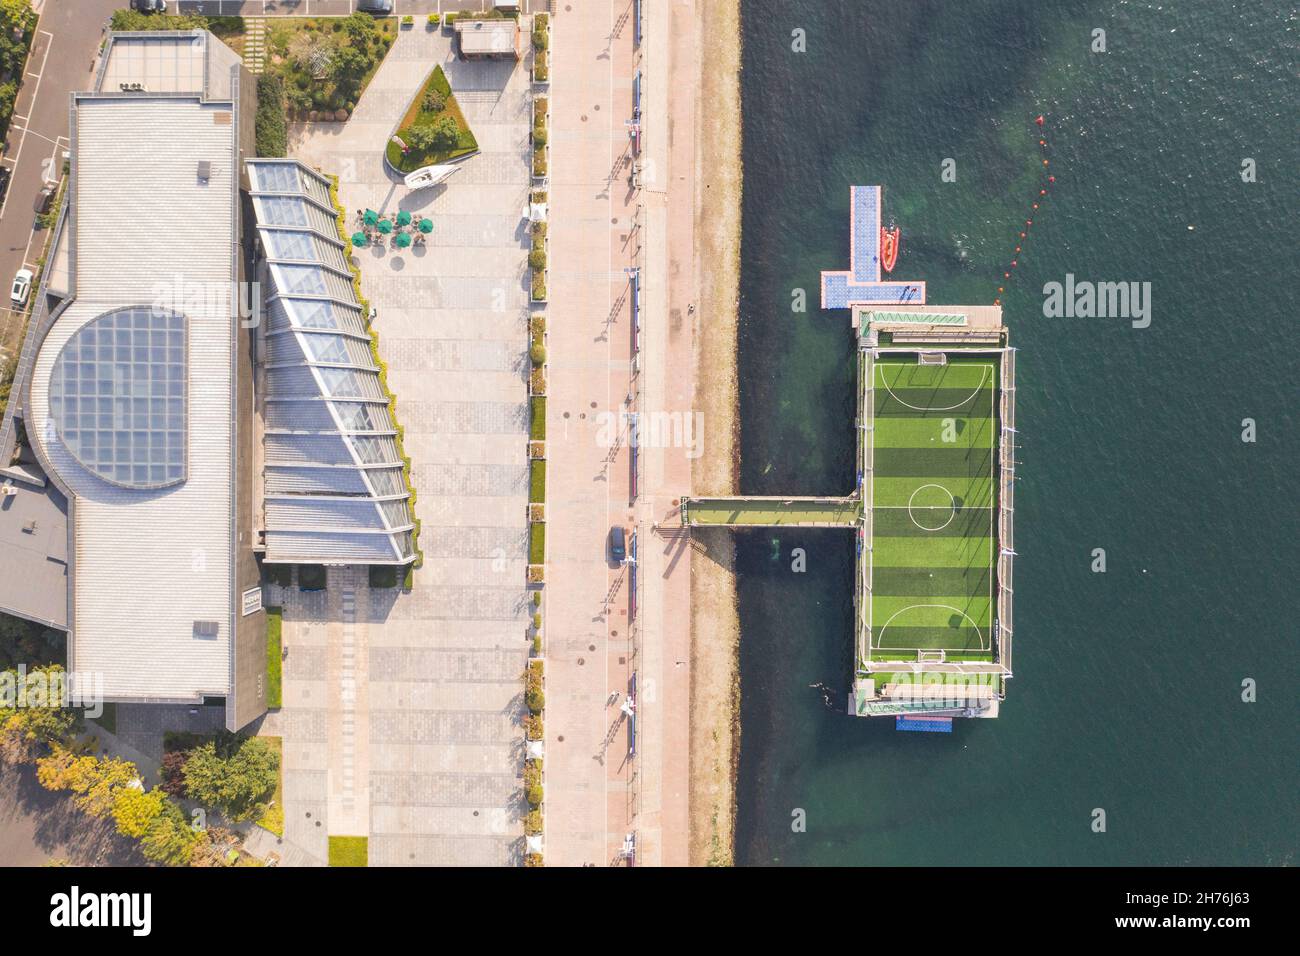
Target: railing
<point>1006,508</point>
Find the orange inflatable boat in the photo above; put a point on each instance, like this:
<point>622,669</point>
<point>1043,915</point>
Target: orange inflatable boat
<point>890,239</point>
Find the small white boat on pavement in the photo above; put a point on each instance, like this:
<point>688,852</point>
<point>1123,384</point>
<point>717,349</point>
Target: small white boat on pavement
<point>429,176</point>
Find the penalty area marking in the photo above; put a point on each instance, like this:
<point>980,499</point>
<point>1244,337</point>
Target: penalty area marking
<point>984,374</point>
<point>911,607</point>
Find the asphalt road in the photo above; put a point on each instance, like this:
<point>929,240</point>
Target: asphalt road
<point>62,61</point>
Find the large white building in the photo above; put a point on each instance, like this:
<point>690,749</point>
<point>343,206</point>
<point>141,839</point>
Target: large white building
<point>135,387</point>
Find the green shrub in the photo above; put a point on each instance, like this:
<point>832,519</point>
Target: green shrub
<point>537,259</point>
<point>272,133</point>
<point>533,823</point>
<point>274,655</point>
<point>537,543</point>
<point>539,135</point>
<point>434,102</point>
<point>537,481</point>
<point>537,599</point>
<point>537,426</point>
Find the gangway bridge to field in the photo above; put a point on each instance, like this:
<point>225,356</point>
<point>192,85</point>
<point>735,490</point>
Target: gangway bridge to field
<point>776,511</point>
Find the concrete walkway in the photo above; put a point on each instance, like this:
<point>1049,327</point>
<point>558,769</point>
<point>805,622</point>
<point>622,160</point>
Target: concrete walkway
<point>601,226</point>
<point>402,715</point>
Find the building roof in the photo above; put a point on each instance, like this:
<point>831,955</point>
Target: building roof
<point>153,241</point>
<point>497,37</point>
<point>33,547</point>
<point>334,488</point>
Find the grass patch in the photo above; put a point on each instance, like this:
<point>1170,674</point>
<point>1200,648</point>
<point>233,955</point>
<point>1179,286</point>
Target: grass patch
<point>537,421</point>
<point>537,543</point>
<point>434,103</point>
<point>349,851</point>
<point>537,481</point>
<point>311,577</point>
<point>383,576</point>
<point>274,655</point>
<point>273,818</point>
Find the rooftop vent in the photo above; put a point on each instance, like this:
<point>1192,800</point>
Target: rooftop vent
<point>30,527</point>
<point>207,629</point>
<point>205,170</point>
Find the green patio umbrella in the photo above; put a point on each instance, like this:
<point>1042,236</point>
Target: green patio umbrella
<point>385,226</point>
<point>360,239</point>
<point>371,217</point>
<point>426,226</point>
<point>403,240</point>
<point>403,218</point>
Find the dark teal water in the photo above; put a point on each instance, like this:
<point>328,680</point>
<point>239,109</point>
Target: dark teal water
<point>1127,688</point>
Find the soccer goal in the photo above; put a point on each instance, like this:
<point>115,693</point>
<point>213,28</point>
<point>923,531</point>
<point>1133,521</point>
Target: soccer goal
<point>932,358</point>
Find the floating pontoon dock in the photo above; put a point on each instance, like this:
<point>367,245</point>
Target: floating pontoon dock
<point>932,509</point>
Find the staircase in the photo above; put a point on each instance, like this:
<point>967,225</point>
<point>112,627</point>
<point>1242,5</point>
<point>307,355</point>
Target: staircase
<point>255,45</point>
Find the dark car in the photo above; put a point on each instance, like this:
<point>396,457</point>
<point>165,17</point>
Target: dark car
<point>5,173</point>
<point>149,6</point>
<point>380,7</point>
<point>43,199</point>
<point>617,545</point>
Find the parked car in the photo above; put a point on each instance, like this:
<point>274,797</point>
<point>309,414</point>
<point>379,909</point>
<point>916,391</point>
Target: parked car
<point>43,199</point>
<point>5,174</point>
<point>22,288</point>
<point>617,544</point>
<point>381,8</point>
<point>149,6</point>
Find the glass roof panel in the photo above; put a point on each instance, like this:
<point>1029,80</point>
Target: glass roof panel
<point>117,397</point>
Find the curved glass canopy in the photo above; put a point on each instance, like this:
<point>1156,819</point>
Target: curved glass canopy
<point>118,397</point>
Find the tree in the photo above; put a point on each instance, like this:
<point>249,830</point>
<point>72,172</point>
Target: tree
<point>95,781</point>
<point>360,28</point>
<point>134,810</point>
<point>37,718</point>
<point>434,102</point>
<point>349,65</point>
<point>172,772</point>
<point>234,774</point>
<point>170,839</point>
<point>441,134</point>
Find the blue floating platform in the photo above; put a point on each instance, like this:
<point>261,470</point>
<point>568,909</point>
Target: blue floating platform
<point>929,725</point>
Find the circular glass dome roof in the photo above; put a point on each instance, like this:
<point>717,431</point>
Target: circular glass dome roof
<point>118,397</point>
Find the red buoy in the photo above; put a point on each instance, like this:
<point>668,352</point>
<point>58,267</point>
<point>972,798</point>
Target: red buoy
<point>1039,121</point>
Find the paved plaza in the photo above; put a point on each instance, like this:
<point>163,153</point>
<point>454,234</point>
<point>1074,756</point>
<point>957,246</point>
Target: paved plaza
<point>402,716</point>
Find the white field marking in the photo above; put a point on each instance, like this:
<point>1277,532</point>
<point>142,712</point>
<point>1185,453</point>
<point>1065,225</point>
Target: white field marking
<point>952,507</point>
<point>992,533</point>
<point>946,607</point>
<point>35,93</point>
<point>984,374</point>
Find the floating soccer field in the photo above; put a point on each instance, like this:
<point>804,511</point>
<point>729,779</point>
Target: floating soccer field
<point>932,498</point>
